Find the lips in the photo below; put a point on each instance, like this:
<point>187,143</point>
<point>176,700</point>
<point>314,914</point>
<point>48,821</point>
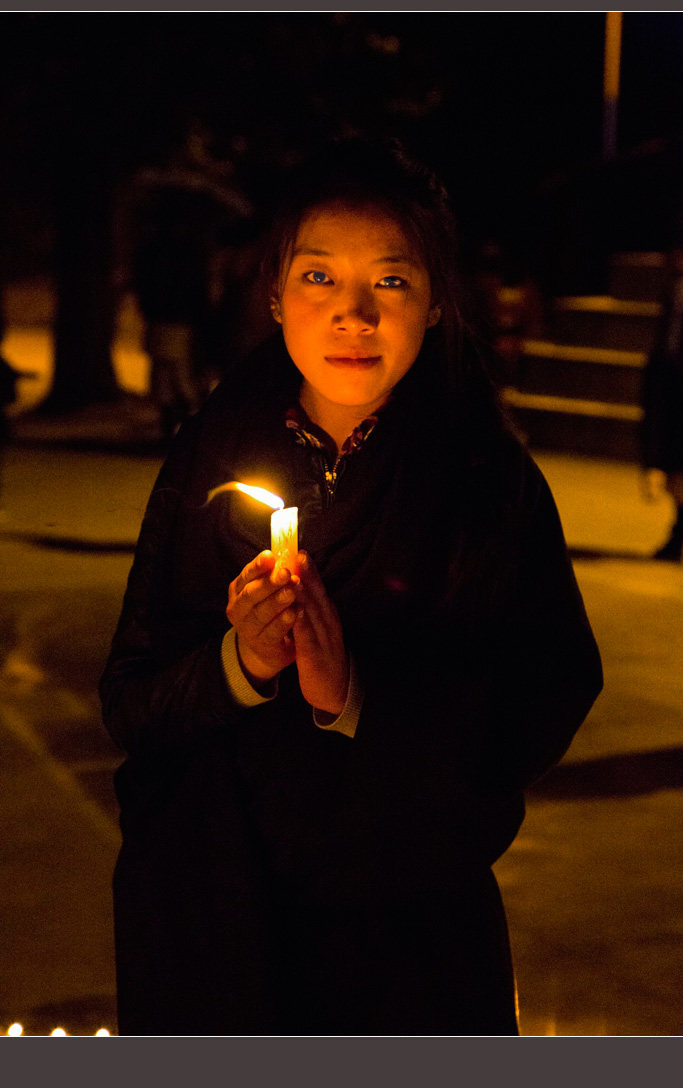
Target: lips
<point>351,359</point>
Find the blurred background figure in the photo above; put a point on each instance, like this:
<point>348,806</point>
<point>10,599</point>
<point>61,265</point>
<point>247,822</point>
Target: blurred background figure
<point>8,382</point>
<point>9,376</point>
<point>184,211</point>
<point>663,404</point>
<point>507,307</point>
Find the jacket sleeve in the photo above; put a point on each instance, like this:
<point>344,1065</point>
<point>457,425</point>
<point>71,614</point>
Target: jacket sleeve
<point>547,669</point>
<point>486,705</point>
<point>163,685</point>
<point>448,739</point>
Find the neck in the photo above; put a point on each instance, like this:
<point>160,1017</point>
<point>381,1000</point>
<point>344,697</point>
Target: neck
<point>338,421</point>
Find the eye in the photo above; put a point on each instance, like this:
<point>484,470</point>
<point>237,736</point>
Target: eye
<point>392,281</point>
<point>320,279</point>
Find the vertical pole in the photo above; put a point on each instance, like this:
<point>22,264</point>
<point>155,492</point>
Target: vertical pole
<point>611,83</point>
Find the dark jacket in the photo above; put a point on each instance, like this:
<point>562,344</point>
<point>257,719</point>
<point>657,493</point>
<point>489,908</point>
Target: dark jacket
<point>459,603</point>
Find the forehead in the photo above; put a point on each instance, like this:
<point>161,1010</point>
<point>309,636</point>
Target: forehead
<point>368,230</point>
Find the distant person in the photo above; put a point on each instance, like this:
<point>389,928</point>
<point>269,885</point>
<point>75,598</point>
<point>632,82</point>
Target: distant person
<point>9,376</point>
<point>8,385</point>
<point>507,309</point>
<point>663,406</point>
<point>182,206</point>
<point>170,281</point>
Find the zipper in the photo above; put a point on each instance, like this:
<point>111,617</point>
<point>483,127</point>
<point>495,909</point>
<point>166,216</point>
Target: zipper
<point>332,475</point>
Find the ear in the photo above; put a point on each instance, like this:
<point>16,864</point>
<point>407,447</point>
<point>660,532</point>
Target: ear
<point>434,316</point>
<point>275,309</point>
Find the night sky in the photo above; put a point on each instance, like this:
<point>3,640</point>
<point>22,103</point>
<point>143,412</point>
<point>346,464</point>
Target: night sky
<point>505,105</point>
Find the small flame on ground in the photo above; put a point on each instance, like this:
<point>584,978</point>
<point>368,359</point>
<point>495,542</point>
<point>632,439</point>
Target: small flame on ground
<point>260,493</point>
<point>17,1029</point>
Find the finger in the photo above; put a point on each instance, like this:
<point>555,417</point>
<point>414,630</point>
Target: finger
<point>272,606</point>
<point>258,603</point>
<point>312,592</point>
<point>316,635</point>
<point>279,627</point>
<point>304,632</point>
<point>244,596</point>
<point>320,610</point>
<point>262,565</point>
<point>306,641</point>
<point>309,575</point>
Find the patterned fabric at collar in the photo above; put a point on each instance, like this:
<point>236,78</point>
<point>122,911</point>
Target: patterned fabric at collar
<point>308,434</point>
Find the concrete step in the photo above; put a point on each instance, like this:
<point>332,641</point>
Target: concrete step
<point>580,389</point>
<point>637,277</point>
<point>605,322</point>
<point>576,425</point>
<point>586,373</point>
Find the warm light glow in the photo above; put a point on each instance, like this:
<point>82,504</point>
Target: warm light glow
<point>284,533</point>
<point>58,1031</point>
<point>612,54</point>
<point>259,493</point>
<point>610,97</point>
<point>102,1031</point>
<point>15,1029</point>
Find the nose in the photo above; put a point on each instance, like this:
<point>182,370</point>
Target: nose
<point>356,311</point>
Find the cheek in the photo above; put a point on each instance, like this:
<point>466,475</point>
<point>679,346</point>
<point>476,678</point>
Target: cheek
<point>409,310</point>
<point>414,325</point>
<point>299,328</point>
<point>298,313</point>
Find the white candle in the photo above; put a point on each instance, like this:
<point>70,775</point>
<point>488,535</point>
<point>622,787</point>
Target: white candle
<point>284,536</point>
<point>284,524</point>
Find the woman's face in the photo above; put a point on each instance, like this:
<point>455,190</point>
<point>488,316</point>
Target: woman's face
<point>354,305</point>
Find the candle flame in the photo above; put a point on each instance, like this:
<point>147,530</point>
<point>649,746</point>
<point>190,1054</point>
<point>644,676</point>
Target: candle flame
<point>259,493</point>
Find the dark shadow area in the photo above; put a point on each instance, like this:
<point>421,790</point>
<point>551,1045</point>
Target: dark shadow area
<point>71,544</point>
<point>609,553</point>
<point>152,447</point>
<point>612,776</point>
<point>75,544</point>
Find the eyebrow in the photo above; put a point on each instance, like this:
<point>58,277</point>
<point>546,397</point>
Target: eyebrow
<point>306,251</point>
<point>399,258</point>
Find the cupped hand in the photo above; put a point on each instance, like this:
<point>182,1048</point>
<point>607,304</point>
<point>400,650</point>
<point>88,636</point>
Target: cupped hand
<point>321,657</point>
<point>262,608</point>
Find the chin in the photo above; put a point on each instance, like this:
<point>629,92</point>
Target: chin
<point>358,398</point>
<point>358,387</point>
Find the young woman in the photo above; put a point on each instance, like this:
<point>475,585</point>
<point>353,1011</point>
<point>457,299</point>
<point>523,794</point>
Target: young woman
<point>324,762</point>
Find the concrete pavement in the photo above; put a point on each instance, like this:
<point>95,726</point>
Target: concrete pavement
<point>594,883</point>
